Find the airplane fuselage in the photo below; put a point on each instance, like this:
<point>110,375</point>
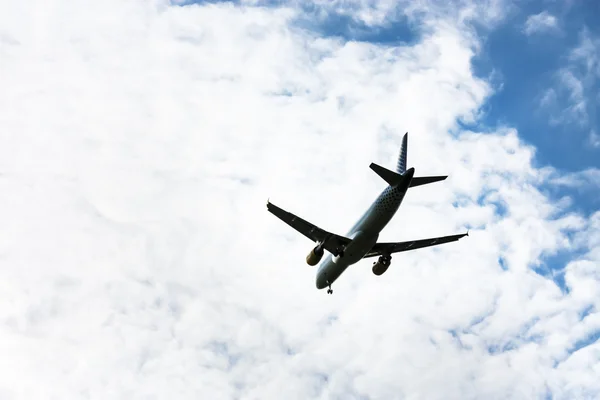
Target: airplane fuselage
<point>365,232</point>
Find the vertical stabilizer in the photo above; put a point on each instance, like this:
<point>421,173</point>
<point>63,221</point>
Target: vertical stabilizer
<point>401,167</point>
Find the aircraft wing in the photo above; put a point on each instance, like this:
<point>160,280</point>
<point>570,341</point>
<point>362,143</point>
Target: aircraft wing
<point>389,248</point>
<point>331,242</point>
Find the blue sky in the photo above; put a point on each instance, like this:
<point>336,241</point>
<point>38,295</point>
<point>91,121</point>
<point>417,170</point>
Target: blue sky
<point>527,65</point>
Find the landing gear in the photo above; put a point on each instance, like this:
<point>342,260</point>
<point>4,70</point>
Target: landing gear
<point>329,291</point>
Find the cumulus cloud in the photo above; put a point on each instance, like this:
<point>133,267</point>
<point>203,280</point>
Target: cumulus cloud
<point>540,23</point>
<point>140,141</point>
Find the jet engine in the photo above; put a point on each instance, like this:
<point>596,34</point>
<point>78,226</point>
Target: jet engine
<point>315,255</point>
<point>381,265</point>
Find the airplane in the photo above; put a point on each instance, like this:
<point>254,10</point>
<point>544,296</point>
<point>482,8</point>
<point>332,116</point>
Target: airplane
<point>361,241</point>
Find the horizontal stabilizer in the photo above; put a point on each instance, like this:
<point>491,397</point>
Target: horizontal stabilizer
<point>424,180</point>
<point>391,177</point>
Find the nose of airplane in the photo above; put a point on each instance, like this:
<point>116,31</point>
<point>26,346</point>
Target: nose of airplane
<point>321,281</point>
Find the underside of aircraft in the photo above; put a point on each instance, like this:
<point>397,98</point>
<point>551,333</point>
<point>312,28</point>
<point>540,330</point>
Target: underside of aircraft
<point>361,241</point>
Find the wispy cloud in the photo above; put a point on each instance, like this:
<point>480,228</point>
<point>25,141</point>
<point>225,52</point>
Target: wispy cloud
<point>587,53</point>
<point>594,139</point>
<point>139,144</point>
<point>541,23</point>
<point>574,86</point>
<point>574,98</point>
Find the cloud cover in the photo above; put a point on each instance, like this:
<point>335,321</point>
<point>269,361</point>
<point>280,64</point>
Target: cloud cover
<point>140,142</point>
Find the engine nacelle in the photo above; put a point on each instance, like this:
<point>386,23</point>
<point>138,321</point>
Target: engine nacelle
<point>315,255</point>
<point>379,268</point>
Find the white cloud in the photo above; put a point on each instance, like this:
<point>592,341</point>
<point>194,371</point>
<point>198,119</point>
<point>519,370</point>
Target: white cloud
<point>577,108</point>
<point>587,52</point>
<point>594,139</point>
<point>140,142</point>
<point>541,23</point>
<point>582,179</point>
<point>485,13</point>
<point>574,98</point>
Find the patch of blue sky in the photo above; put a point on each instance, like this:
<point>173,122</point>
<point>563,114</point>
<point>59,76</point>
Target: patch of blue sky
<point>553,265</point>
<point>527,66</point>
<point>458,341</point>
<point>587,311</point>
<point>500,206</point>
<point>333,24</point>
<point>582,199</point>
<point>590,339</point>
<point>350,29</point>
<point>551,268</point>
<point>502,263</point>
<point>498,348</point>
<point>525,336</point>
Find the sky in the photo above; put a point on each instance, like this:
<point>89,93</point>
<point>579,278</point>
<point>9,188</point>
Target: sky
<point>140,141</point>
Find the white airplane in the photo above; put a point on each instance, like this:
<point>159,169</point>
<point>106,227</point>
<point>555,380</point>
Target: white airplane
<point>361,240</point>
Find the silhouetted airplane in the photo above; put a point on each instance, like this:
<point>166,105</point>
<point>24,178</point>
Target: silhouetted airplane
<point>361,240</point>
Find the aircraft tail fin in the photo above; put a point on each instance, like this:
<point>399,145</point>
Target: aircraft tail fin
<point>391,177</point>
<point>401,166</point>
<point>424,180</point>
